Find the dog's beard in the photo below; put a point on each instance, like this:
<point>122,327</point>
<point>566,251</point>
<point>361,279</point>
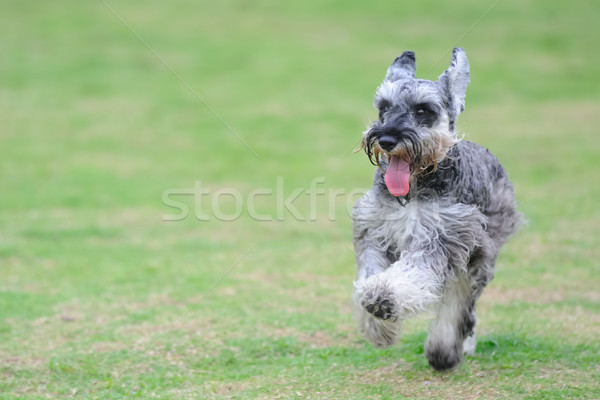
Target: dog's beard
<point>414,155</point>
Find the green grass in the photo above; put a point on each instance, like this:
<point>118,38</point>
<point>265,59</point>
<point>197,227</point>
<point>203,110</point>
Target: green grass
<point>102,298</point>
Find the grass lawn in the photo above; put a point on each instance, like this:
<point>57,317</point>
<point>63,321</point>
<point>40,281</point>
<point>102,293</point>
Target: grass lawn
<point>115,113</point>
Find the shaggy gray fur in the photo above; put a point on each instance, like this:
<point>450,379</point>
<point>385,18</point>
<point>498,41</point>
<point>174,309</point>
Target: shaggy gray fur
<point>436,246</point>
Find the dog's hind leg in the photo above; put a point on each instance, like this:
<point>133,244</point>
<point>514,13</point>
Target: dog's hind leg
<point>481,272</point>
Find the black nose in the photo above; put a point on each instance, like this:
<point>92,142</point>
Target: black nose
<point>388,142</point>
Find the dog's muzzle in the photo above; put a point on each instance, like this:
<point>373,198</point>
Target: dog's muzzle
<point>400,145</point>
<point>388,139</point>
<point>388,142</point>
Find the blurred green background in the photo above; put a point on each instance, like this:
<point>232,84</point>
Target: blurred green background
<point>107,105</point>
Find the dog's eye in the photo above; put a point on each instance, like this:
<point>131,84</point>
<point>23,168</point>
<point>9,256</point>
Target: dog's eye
<point>425,114</point>
<point>422,110</point>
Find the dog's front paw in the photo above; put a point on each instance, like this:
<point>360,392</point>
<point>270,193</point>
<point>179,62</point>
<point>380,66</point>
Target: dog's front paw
<point>376,311</point>
<point>380,304</point>
<point>376,314</point>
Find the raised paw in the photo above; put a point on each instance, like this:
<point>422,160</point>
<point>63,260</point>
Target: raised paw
<point>380,307</point>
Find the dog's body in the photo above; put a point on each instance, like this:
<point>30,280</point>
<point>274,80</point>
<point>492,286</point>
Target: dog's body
<point>429,231</point>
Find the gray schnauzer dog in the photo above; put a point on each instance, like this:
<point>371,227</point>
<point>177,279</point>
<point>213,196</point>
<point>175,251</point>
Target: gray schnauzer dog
<point>428,232</point>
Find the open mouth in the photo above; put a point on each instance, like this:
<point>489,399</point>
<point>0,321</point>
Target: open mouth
<point>401,159</point>
<point>397,176</point>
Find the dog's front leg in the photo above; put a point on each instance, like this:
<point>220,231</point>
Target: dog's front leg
<point>384,297</point>
<point>372,319</point>
<point>373,310</point>
<point>407,287</point>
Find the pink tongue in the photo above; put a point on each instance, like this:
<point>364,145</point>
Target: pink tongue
<point>397,176</point>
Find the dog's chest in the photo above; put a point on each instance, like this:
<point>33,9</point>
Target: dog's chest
<point>397,227</point>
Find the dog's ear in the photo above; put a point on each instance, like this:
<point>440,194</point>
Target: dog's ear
<point>403,67</point>
<point>455,80</point>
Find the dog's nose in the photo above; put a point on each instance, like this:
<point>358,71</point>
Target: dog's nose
<point>388,142</point>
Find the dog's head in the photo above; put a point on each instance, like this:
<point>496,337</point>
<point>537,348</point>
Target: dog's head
<point>416,122</point>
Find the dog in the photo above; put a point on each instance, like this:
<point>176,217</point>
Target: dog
<point>428,232</point>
